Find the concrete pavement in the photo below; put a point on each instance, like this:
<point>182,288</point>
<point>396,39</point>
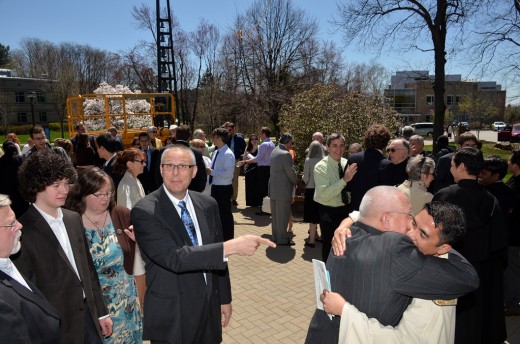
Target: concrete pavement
<point>273,291</point>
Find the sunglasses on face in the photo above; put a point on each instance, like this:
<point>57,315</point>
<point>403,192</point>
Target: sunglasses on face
<point>393,150</point>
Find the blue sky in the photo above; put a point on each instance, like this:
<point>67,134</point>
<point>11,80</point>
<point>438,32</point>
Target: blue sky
<point>108,25</point>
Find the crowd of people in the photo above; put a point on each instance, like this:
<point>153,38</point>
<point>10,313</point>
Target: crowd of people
<point>111,231</point>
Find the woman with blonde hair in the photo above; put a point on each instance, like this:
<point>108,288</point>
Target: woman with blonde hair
<point>310,207</point>
<point>13,138</point>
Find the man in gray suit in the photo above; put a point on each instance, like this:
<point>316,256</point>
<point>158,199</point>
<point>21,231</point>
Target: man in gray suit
<point>180,236</point>
<point>281,184</point>
<point>382,270</point>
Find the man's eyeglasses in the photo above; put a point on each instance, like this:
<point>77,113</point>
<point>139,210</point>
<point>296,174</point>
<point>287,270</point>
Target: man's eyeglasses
<point>11,226</point>
<point>155,132</point>
<point>180,168</point>
<point>411,215</point>
<point>393,150</point>
<point>143,162</point>
<point>104,195</point>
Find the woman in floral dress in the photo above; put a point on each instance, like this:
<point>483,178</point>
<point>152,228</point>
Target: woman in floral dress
<point>111,242</point>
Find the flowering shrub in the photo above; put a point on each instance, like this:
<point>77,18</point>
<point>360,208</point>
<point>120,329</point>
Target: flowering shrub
<point>94,109</point>
<point>331,109</point>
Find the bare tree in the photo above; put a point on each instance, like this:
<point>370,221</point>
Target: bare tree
<point>270,42</point>
<point>495,47</point>
<point>408,24</point>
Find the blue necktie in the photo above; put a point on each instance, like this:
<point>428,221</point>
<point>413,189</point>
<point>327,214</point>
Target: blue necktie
<point>212,167</point>
<point>188,223</point>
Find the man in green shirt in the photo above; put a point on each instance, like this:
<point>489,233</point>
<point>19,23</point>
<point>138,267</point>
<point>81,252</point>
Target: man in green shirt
<point>330,178</point>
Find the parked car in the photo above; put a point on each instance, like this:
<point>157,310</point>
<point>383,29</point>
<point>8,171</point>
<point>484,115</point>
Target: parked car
<point>515,133</point>
<point>423,129</point>
<point>504,134</point>
<point>497,126</point>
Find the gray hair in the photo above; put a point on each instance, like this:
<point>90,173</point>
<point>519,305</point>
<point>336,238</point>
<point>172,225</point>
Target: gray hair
<point>4,200</point>
<point>417,138</point>
<point>419,165</point>
<point>197,133</point>
<point>405,143</point>
<point>180,147</point>
<point>408,132</point>
<point>316,150</point>
<point>356,146</point>
<point>150,128</point>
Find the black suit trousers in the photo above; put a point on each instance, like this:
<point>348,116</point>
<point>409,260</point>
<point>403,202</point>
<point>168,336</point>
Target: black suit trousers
<point>222,194</point>
<point>330,218</point>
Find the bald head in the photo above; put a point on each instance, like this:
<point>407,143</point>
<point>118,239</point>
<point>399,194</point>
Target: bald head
<point>385,208</point>
<point>317,136</point>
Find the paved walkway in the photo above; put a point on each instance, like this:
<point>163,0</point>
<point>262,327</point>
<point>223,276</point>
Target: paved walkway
<point>273,291</point>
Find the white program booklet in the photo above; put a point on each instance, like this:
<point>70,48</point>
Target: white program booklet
<point>321,281</point>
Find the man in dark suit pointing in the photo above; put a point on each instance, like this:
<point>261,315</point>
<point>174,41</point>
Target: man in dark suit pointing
<point>180,235</point>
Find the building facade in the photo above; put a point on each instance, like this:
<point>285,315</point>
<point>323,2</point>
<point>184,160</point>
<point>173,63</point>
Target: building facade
<point>411,94</point>
<point>26,100</point>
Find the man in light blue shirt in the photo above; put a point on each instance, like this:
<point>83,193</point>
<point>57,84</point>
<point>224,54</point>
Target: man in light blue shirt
<point>221,180</point>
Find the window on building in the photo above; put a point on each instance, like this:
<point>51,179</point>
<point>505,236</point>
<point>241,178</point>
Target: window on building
<point>428,118</point>
<point>458,99</point>
<point>40,97</point>
<point>430,100</point>
<point>449,100</point>
<point>43,116</point>
<point>20,97</point>
<point>22,117</point>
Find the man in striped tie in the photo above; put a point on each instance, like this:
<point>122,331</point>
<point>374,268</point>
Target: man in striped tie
<point>180,235</point>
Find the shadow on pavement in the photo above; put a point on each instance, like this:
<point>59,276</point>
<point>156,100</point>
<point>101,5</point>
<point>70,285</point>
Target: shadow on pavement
<point>280,254</point>
<point>310,253</point>
<point>259,220</point>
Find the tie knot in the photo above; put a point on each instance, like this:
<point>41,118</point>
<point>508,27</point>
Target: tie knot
<point>182,204</point>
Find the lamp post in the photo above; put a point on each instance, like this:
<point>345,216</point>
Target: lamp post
<point>31,96</point>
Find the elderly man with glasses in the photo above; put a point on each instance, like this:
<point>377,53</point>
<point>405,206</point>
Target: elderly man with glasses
<point>26,316</point>
<point>394,174</point>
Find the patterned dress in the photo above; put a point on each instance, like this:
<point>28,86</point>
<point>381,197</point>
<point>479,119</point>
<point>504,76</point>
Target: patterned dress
<point>119,291</point>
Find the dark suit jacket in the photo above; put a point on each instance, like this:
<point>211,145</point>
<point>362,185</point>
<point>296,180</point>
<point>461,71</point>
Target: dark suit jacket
<point>443,176</point>
<point>380,273</point>
<point>43,261</point>
<point>25,316</point>
<point>109,169</point>
<point>147,177</point>
<point>394,174</point>
<point>185,308</point>
<point>486,230</point>
<point>369,163</point>
<point>198,183</point>
<point>239,145</point>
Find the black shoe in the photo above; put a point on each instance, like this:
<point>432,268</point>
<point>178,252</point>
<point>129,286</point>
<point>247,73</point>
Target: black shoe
<point>288,243</point>
<point>310,244</point>
<point>234,202</point>
<point>261,213</point>
<point>318,239</point>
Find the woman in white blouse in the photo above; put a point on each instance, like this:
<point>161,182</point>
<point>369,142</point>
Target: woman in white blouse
<point>131,163</point>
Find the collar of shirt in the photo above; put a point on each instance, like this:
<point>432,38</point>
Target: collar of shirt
<point>191,210</point>
<point>109,160</point>
<point>49,218</point>
<point>7,266</point>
